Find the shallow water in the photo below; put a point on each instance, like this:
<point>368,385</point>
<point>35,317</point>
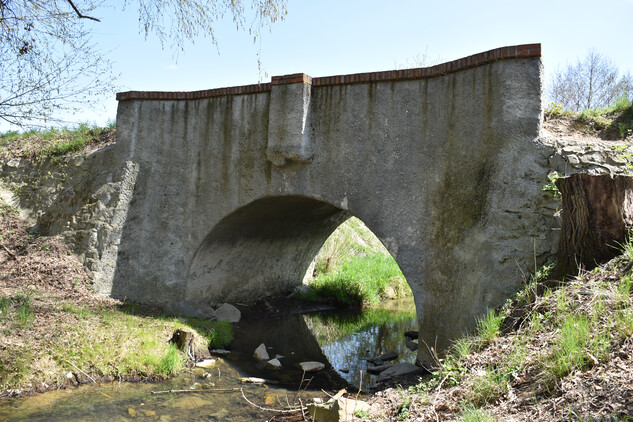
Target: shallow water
<point>342,340</point>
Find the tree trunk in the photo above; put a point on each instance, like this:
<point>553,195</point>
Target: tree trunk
<point>597,215</point>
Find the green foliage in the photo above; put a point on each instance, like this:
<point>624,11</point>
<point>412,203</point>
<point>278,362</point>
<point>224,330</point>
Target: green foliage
<point>25,313</point>
<point>490,386</point>
<point>4,306</point>
<point>80,311</point>
<point>404,406</point>
<point>578,345</point>
<point>616,119</point>
<point>362,414</point>
<point>362,280</point>
<point>489,326</point>
<point>472,414</point>
<point>220,335</point>
<point>555,109</point>
<point>328,327</point>
<point>350,239</point>
<point>172,362</point>
<point>56,141</point>
<point>624,286</point>
<point>452,371</point>
<point>550,186</point>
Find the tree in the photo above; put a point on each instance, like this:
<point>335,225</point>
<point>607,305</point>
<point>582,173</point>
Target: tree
<point>49,63</point>
<point>593,82</point>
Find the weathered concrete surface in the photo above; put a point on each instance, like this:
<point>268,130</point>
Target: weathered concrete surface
<point>229,197</point>
<point>231,204</point>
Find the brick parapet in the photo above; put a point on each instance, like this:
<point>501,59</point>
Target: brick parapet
<point>502,53</point>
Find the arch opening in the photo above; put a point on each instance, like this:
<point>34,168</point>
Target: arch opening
<point>268,247</point>
<point>261,249</point>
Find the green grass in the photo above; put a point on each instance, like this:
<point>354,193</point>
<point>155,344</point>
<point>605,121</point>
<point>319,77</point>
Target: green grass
<point>220,335</point>
<point>472,414</point>
<point>4,306</point>
<point>351,239</point>
<point>56,141</point>
<point>362,280</point>
<point>353,268</point>
<point>579,343</point>
<point>617,118</point>
<point>489,327</point>
<point>122,341</point>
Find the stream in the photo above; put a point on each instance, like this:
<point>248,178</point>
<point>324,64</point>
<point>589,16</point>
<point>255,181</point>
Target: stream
<point>340,339</point>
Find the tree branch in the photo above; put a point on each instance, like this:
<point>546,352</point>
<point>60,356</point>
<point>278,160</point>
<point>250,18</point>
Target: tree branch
<point>79,13</point>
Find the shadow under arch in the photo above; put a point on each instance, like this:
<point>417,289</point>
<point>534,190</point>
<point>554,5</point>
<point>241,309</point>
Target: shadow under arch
<point>261,249</point>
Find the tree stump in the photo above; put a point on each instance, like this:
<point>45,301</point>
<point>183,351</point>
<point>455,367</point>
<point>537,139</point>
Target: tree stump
<point>597,216</point>
<point>185,341</point>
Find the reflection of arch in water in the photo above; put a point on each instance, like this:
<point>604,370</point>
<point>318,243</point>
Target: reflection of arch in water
<point>290,337</point>
<point>260,249</point>
<point>319,337</point>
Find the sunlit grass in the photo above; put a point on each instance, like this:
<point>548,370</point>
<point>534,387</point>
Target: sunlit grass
<point>363,280</point>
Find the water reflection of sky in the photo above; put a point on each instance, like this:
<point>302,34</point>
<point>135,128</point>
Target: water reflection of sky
<point>349,340</point>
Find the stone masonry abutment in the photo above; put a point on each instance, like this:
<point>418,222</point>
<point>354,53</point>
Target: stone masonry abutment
<point>235,189</point>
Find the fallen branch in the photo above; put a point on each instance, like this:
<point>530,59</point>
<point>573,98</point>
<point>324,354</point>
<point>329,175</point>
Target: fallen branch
<point>269,409</point>
<point>201,390</point>
<point>439,388</point>
<point>11,254</point>
<point>93,380</point>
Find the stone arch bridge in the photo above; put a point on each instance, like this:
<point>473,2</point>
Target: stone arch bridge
<point>235,189</point>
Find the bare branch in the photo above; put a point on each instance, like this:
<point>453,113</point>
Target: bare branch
<point>79,15</point>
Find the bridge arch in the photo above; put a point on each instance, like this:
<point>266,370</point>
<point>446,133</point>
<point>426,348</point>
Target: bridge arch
<point>262,248</point>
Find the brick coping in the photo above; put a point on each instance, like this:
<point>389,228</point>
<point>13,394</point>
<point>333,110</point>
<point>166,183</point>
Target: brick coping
<point>502,53</point>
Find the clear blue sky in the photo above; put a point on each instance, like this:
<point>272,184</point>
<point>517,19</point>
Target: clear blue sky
<point>328,37</point>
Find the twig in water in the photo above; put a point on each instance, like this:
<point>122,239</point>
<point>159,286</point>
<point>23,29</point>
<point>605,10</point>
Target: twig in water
<point>269,409</point>
<point>201,390</point>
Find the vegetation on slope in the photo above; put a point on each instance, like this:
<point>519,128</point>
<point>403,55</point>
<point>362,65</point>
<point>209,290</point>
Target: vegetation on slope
<point>614,122</point>
<point>556,351</point>
<point>354,268</point>
<point>54,142</point>
<point>55,331</point>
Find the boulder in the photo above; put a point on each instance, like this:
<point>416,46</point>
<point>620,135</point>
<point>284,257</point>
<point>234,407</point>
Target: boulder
<point>261,354</point>
<point>302,290</point>
<point>413,335</point>
<point>186,309</point>
<point>377,369</point>
<point>399,369</point>
<point>273,364</point>
<point>387,356</point>
<point>228,312</point>
<point>311,366</point>
<point>411,345</point>
<point>335,410</point>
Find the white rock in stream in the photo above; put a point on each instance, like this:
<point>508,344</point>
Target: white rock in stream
<point>311,366</point>
<point>207,363</point>
<point>261,353</point>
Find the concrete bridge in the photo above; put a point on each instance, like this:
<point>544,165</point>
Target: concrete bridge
<point>234,190</point>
